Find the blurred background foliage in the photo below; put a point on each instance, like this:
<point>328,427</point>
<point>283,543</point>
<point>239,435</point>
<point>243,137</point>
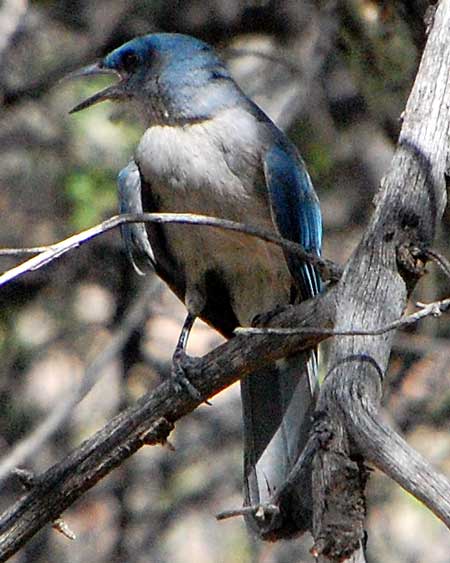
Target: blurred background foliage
<point>336,75</point>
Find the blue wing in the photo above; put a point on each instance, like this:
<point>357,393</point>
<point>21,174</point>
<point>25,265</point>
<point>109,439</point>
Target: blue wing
<point>134,234</point>
<point>295,209</point>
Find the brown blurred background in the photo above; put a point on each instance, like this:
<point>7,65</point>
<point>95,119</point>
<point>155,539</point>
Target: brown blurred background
<point>336,76</point>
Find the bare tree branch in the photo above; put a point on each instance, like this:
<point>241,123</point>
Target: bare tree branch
<point>388,451</point>
<point>434,309</point>
<point>373,292</point>
<point>327,268</point>
<point>30,251</point>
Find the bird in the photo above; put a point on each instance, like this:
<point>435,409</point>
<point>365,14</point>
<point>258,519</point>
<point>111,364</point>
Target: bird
<point>209,149</point>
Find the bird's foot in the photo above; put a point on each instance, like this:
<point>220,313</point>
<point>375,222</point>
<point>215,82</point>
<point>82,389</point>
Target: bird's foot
<point>182,365</point>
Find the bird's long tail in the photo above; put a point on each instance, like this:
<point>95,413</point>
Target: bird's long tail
<point>278,403</point>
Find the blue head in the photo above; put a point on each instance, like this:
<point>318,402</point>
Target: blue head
<point>173,78</point>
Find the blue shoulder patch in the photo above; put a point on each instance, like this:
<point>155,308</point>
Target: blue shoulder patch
<point>295,209</point>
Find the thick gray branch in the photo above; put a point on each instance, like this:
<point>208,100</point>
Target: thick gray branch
<point>388,451</point>
<point>373,292</point>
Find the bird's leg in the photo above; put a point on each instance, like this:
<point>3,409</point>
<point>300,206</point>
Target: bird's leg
<point>181,362</point>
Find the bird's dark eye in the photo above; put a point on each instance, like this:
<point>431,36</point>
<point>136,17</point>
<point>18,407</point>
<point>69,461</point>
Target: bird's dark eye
<point>217,74</point>
<point>130,60</point>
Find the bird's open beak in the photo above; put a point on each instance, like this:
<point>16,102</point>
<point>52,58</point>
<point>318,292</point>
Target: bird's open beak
<point>113,92</point>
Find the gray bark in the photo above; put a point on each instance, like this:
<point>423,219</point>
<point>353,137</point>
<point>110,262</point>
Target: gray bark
<point>372,292</point>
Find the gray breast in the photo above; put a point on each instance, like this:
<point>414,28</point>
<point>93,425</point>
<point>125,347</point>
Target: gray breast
<point>199,169</point>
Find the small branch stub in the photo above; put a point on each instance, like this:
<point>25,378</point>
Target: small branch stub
<point>162,428</point>
<point>60,526</point>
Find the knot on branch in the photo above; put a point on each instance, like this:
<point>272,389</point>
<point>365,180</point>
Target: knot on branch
<point>322,430</point>
<point>27,478</point>
<point>158,433</point>
<point>411,263</point>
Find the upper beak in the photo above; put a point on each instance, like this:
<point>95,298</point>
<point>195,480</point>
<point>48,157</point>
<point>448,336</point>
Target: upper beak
<point>113,92</point>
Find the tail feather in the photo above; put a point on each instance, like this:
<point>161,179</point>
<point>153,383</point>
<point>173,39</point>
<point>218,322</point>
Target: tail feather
<point>278,403</point>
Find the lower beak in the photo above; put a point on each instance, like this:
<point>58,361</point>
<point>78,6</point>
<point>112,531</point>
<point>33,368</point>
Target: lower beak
<point>113,92</point>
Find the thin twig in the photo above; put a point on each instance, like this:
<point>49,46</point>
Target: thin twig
<point>32,443</point>
<point>61,526</point>
<point>434,309</point>
<point>328,269</point>
<point>24,251</point>
<point>244,510</point>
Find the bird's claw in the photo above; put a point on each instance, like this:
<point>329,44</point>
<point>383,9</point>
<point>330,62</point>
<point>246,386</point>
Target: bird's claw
<point>181,365</point>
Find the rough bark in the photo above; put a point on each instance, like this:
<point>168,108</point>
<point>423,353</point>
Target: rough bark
<point>372,292</point>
